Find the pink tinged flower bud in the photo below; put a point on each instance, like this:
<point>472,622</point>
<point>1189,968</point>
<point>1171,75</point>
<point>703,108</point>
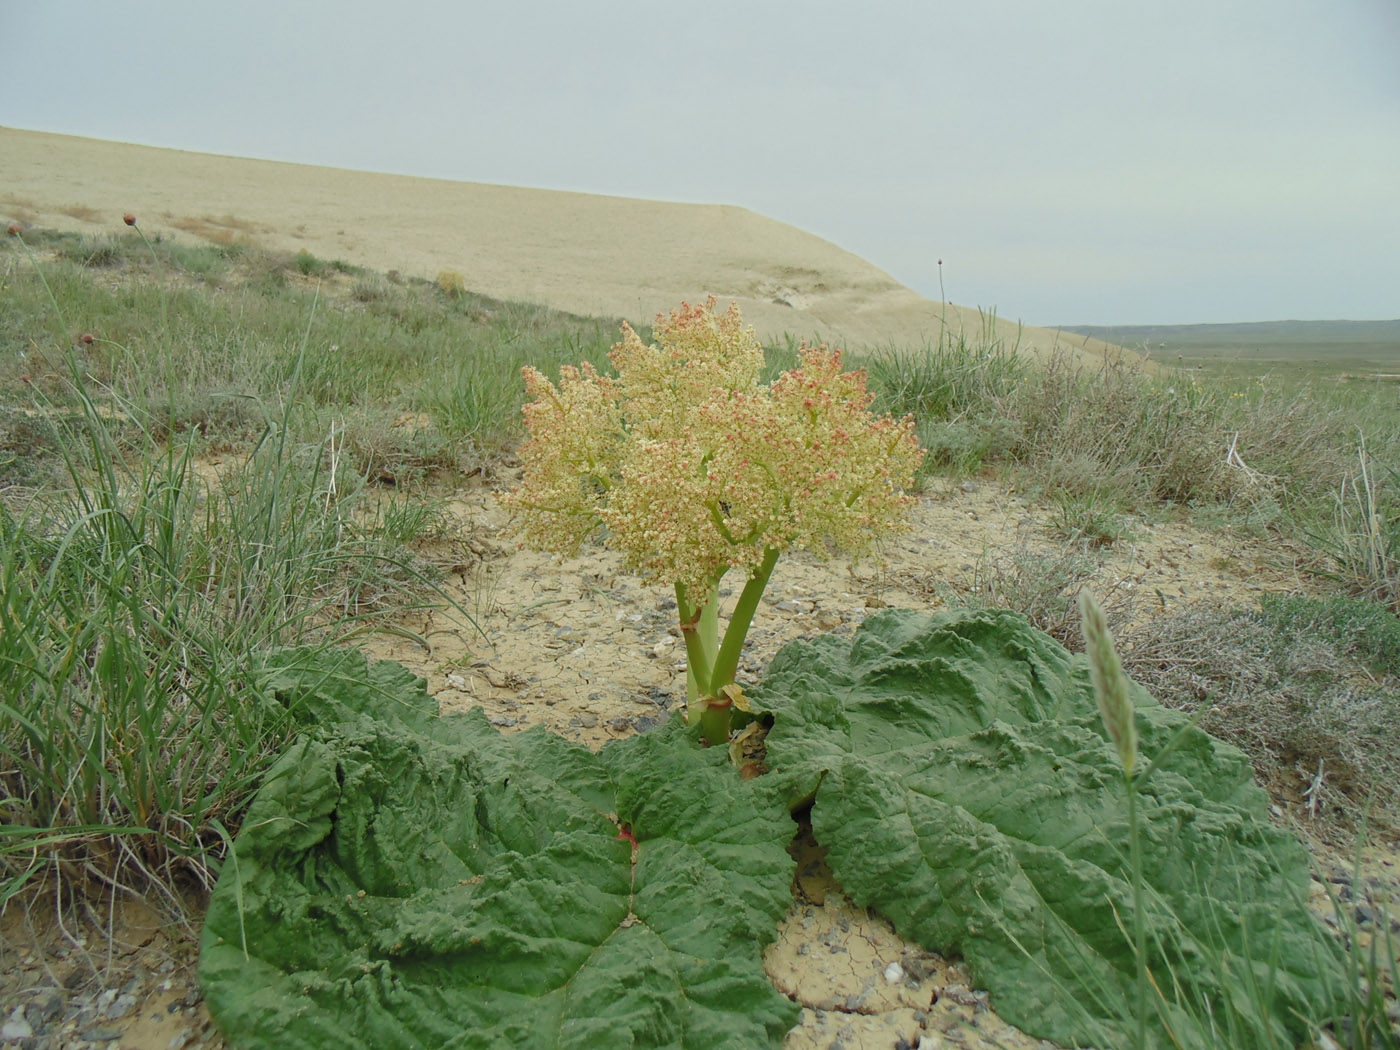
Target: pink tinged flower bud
<point>129,219</point>
<point>86,339</point>
<point>14,229</point>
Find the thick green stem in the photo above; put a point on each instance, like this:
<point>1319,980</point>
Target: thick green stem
<point>709,632</point>
<point>700,631</point>
<point>710,663</point>
<point>727,662</point>
<point>714,720</point>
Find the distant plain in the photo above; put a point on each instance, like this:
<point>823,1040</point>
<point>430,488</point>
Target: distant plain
<point>1354,349</point>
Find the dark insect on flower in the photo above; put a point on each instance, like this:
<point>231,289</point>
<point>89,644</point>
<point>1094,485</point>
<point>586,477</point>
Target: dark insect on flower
<point>129,219</point>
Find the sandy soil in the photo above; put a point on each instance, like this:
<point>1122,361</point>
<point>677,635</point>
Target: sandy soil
<point>584,253</point>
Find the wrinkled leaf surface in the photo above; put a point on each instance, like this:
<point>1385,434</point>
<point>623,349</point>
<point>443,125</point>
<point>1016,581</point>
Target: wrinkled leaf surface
<point>404,880</point>
<point>965,788</point>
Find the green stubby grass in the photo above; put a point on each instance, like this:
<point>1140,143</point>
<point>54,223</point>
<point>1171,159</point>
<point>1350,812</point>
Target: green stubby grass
<point>203,347</point>
<point>137,603</point>
<point>1319,459</point>
<point>142,587</point>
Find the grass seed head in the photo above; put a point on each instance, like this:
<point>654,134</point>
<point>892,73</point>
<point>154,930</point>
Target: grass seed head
<point>1110,683</point>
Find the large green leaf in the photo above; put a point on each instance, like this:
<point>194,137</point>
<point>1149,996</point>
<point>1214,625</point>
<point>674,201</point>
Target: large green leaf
<point>404,880</point>
<point>963,786</point>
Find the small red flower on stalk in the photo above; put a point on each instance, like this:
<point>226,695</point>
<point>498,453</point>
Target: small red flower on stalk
<point>129,219</point>
<point>86,338</point>
<point>13,229</point>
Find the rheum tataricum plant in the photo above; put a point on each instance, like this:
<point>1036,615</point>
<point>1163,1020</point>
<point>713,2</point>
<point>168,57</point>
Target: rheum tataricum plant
<point>691,468</point>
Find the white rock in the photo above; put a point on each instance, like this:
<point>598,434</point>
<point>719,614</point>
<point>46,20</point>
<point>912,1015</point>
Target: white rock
<point>894,973</point>
<point>16,1027</point>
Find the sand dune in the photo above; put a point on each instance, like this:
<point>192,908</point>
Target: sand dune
<point>585,253</point>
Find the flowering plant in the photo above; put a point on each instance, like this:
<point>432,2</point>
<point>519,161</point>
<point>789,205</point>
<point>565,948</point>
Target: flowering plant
<point>691,467</point>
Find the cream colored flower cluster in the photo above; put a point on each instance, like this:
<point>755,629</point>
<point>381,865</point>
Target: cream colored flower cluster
<point>690,467</point>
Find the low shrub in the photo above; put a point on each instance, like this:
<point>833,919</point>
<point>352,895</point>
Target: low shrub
<point>1360,627</point>
<point>1286,685</point>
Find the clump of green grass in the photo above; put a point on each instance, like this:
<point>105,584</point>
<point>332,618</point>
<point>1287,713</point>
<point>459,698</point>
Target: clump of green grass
<point>1362,536</point>
<point>1089,517</point>
<point>206,262</point>
<point>1107,438</point>
<point>951,380</point>
<point>139,595</point>
<point>309,265</point>
<point>201,337</point>
<point>139,591</point>
<point>137,601</point>
<point>950,388</point>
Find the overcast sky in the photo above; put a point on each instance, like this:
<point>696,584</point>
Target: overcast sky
<point>1070,162</point>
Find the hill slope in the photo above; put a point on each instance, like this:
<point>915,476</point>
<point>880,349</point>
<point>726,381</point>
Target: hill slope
<point>584,253</point>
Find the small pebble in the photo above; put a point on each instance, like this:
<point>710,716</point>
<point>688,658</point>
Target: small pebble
<point>16,1027</point>
<point>43,1010</point>
<point>120,1007</point>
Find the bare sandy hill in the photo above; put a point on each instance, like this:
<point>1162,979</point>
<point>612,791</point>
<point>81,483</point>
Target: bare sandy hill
<point>584,253</point>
